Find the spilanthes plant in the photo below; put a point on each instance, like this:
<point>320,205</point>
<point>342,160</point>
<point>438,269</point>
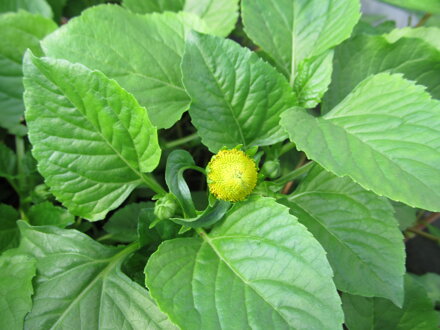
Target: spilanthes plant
<point>132,136</point>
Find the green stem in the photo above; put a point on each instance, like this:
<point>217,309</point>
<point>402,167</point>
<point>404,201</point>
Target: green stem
<point>151,182</point>
<point>424,19</point>
<point>19,149</point>
<point>179,142</point>
<point>294,174</point>
<point>286,148</point>
<point>130,248</point>
<point>424,234</point>
<point>105,237</point>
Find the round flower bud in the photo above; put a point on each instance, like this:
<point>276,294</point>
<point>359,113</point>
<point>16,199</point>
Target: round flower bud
<point>232,175</point>
<point>271,169</point>
<point>165,207</point>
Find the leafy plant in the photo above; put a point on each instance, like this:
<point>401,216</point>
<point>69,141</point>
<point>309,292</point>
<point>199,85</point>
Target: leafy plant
<point>216,164</point>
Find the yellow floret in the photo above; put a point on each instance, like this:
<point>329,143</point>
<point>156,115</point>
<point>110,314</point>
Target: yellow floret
<point>232,175</point>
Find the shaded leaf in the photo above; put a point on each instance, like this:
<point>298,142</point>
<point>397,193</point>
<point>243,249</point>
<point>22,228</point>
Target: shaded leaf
<point>358,231</point>
<point>16,273</point>
<point>48,214</point>
<point>20,31</point>
<point>9,235</point>
<point>417,312</point>
<point>360,57</point>
<point>123,224</point>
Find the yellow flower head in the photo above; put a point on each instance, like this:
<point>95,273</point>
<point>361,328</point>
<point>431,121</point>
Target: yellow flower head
<point>232,175</point>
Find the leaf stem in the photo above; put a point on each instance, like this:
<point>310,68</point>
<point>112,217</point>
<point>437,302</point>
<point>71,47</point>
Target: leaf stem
<point>424,234</point>
<point>286,148</point>
<point>104,237</point>
<point>294,174</point>
<point>151,182</point>
<point>179,142</point>
<point>19,149</point>
<point>424,19</point>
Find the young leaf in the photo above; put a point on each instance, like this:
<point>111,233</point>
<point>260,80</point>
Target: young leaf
<point>178,161</point>
<point>80,284</point>
<point>417,312</point>
<point>313,79</point>
<point>360,57</point>
<point>141,52</point>
<point>237,98</point>
<point>19,31</point>
<point>90,137</point>
<point>153,6</point>
<point>357,229</point>
<point>34,6</point>
<point>9,235</point>
<point>16,273</point>
<point>123,224</point>
<point>293,30</point>
<point>259,269</point>
<point>384,135</point>
<point>48,214</point>
<point>220,15</point>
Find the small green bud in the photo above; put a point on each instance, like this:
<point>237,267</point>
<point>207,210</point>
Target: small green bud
<point>271,169</point>
<point>165,207</point>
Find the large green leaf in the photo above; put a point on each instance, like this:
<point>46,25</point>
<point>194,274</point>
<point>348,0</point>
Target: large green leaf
<point>384,135</point>
<point>237,98</point>
<point>417,312</point>
<point>429,6</point>
<point>291,31</point>
<point>259,268</point>
<point>90,137</point>
<point>19,31</point>
<point>80,285</point>
<point>153,6</point>
<point>141,52</point>
<point>357,229</point>
<point>9,235</point>
<point>220,15</point>
<point>34,6</point>
<point>16,273</point>
<point>360,57</point>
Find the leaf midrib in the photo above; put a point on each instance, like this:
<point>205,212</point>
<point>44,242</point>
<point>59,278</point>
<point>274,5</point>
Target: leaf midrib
<point>208,241</point>
<point>112,263</point>
<point>138,173</point>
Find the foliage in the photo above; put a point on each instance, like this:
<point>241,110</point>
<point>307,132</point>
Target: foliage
<point>115,214</point>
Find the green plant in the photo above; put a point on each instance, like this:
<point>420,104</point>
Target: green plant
<point>115,213</point>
